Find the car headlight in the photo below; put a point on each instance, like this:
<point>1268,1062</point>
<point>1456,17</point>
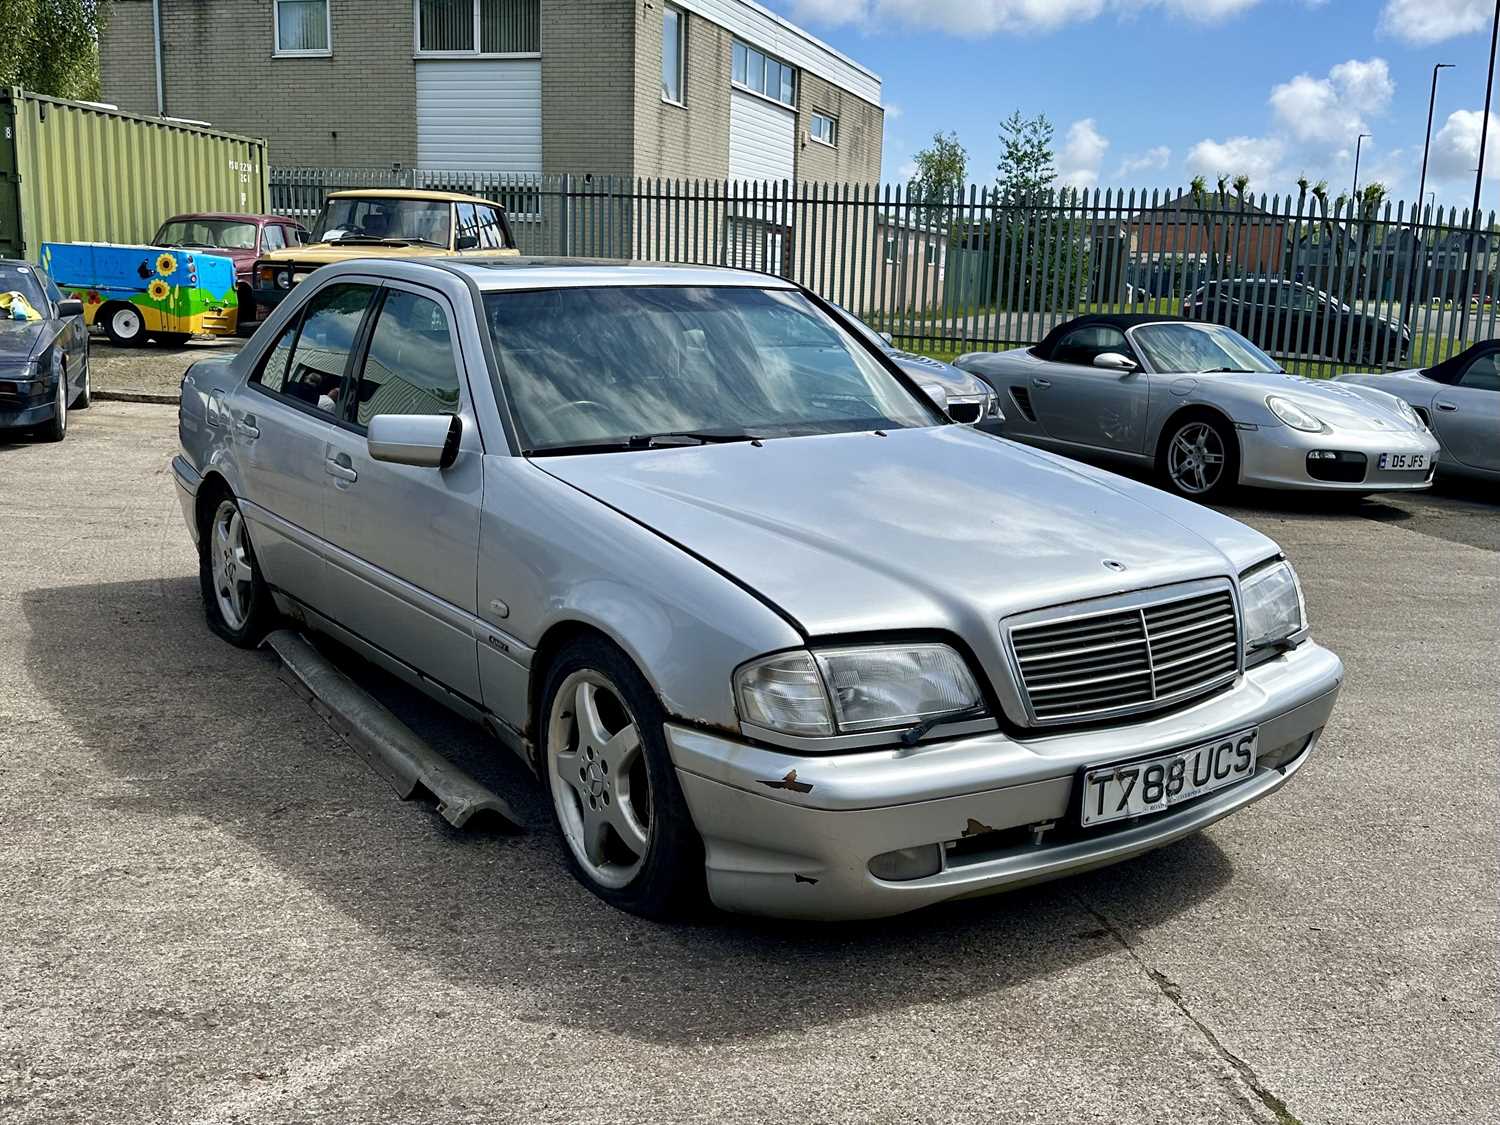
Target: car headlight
<point>854,689</point>
<point>1273,605</point>
<point>1406,411</point>
<point>284,279</point>
<point>992,411</point>
<point>1293,415</point>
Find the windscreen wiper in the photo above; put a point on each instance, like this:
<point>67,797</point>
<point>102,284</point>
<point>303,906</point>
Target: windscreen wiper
<point>666,440</point>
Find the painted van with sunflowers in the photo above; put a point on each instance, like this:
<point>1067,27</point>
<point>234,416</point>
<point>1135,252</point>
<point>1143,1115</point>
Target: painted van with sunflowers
<point>136,293</point>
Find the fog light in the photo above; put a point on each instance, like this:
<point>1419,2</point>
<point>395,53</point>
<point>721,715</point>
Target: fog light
<point>1322,455</point>
<point>908,863</point>
<point>1281,755</point>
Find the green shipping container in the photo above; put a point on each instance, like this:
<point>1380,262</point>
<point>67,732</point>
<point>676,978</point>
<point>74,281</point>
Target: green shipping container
<point>77,172</point>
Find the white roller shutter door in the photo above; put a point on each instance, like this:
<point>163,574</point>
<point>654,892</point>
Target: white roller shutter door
<point>480,115</point>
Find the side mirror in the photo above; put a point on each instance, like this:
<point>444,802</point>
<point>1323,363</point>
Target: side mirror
<point>938,395</point>
<point>1114,361</point>
<point>888,338</point>
<point>70,307</point>
<point>427,441</point>
<point>466,242</point>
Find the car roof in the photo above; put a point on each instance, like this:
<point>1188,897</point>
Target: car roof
<point>501,272</point>
<point>230,216</point>
<point>1123,321</point>
<point>1451,369</point>
<point>411,193</point>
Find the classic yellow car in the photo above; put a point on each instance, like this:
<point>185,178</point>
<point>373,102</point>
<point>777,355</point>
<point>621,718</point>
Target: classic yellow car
<point>386,223</point>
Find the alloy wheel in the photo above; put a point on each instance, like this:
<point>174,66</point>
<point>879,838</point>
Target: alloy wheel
<point>1195,458</point>
<point>127,323</point>
<point>61,405</point>
<point>233,571</point>
<point>599,781</point>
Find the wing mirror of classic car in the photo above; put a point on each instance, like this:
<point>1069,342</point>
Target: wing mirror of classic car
<point>938,395</point>
<point>1114,361</point>
<point>70,307</point>
<point>888,338</point>
<point>428,441</point>
<point>466,242</point>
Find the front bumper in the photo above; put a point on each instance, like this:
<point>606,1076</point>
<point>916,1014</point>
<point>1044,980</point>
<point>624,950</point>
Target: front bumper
<point>800,845</point>
<point>268,296</point>
<point>19,411</point>
<point>1276,457</point>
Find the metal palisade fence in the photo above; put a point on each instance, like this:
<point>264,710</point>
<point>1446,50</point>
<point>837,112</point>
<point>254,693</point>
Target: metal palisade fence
<point>1322,287</point>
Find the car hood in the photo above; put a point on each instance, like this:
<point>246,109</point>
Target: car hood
<point>930,528</point>
<point>1339,405</point>
<point>21,339</point>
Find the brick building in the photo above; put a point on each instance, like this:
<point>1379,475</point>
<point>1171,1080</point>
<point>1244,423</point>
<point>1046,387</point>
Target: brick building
<point>698,88</point>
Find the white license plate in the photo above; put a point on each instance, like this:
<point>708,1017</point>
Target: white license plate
<point>1403,462</point>
<point>1153,784</point>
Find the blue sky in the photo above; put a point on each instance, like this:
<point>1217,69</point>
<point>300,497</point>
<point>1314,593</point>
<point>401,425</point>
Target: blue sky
<point>1146,93</point>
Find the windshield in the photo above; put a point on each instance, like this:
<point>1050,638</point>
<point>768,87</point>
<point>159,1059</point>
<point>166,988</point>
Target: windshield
<point>23,280</point>
<point>410,220</point>
<point>211,234</point>
<point>1199,348</point>
<point>604,365</point>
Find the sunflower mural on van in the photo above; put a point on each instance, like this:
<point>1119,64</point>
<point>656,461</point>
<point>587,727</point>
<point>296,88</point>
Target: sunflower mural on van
<point>136,292</point>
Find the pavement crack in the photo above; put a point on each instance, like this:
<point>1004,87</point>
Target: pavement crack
<point>1168,988</point>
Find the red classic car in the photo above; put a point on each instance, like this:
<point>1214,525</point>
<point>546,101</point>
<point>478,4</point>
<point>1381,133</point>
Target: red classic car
<point>241,237</point>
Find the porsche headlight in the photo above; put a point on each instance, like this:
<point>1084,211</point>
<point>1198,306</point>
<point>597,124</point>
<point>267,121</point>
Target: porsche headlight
<point>1293,415</point>
<point>1273,605</point>
<point>1406,411</point>
<point>855,689</point>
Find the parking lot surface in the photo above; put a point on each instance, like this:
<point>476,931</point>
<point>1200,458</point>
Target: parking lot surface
<point>214,911</point>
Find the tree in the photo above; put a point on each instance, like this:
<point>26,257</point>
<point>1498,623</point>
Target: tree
<point>942,168</point>
<point>52,46</point>
<point>1025,172</point>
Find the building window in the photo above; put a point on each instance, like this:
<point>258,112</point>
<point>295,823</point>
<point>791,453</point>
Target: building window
<point>892,251</point>
<point>302,27</point>
<point>824,128</point>
<point>755,70</point>
<point>673,53</point>
<point>932,254</point>
<point>478,27</point>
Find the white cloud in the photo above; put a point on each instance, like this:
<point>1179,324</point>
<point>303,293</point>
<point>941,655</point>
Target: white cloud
<point>1431,21</point>
<point>1333,109</point>
<point>1152,160</point>
<point>1257,157</point>
<point>986,17</point>
<point>1455,148</point>
<point>1081,154</point>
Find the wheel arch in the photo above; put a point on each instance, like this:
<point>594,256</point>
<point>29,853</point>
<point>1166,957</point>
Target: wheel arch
<point>558,636</point>
<point>211,489</point>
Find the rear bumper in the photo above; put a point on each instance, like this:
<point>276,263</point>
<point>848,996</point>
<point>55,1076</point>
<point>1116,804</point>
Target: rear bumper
<point>1276,457</point>
<point>187,480</point>
<point>801,846</point>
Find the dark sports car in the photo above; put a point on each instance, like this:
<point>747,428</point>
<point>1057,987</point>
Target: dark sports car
<point>44,352</point>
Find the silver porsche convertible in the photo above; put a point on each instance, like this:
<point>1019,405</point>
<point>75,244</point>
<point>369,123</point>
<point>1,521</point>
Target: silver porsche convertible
<point>1205,407</point>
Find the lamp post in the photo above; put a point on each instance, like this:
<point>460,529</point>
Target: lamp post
<point>1484,127</point>
<point>1354,191</point>
<point>1427,144</point>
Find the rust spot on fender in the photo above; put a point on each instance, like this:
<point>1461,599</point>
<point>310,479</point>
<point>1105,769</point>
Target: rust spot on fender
<point>789,782</point>
<point>974,828</point>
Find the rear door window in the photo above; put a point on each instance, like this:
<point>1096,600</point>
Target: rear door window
<point>410,366</point>
<point>309,361</point>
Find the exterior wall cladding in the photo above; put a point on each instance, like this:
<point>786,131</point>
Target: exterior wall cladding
<point>602,110</point>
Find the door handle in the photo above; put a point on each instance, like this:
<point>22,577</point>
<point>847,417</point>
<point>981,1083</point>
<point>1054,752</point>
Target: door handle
<point>1038,381</point>
<point>245,424</point>
<point>1448,407</point>
<point>340,467</point>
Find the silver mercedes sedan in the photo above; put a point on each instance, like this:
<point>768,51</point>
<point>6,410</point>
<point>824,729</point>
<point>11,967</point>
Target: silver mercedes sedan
<point>1205,408</point>
<point>766,624</point>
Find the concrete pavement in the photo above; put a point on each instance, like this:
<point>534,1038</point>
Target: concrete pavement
<point>215,912</point>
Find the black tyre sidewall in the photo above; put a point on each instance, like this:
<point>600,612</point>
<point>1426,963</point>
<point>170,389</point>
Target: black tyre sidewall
<point>1228,480</point>
<point>262,611</point>
<point>86,396</point>
<point>670,882</point>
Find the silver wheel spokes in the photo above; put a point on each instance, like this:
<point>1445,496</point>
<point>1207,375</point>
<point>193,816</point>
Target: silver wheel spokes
<point>233,575</point>
<point>599,785</point>
<point>1195,459</point>
<point>62,400</point>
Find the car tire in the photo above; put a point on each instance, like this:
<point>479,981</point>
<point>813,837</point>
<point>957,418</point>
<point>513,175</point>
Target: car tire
<point>236,599</point>
<point>642,857</point>
<point>123,324</point>
<point>56,428</point>
<point>1199,457</point>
